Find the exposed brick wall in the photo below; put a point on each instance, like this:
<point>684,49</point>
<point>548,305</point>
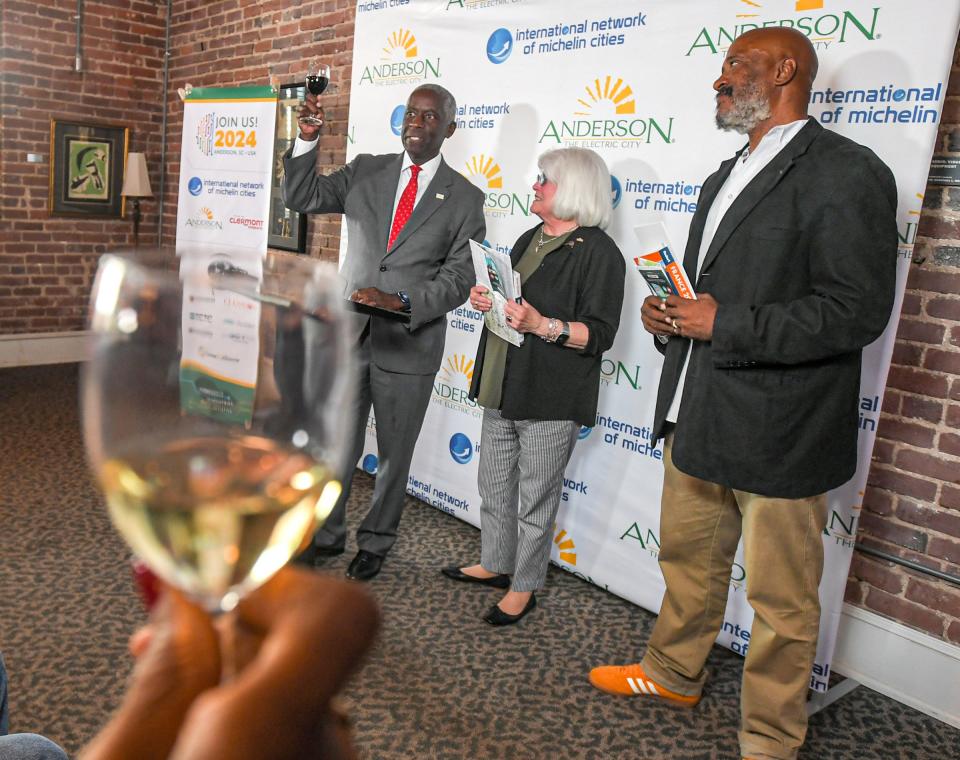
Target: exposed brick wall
<point>912,506</point>
<point>46,264</point>
<point>226,42</point>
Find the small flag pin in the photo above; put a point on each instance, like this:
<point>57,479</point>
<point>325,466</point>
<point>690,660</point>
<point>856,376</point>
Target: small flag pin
<point>439,196</point>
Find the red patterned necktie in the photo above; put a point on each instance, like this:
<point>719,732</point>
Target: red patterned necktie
<point>405,206</point>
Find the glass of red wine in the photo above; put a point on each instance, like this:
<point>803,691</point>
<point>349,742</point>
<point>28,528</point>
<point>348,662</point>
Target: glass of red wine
<point>317,80</point>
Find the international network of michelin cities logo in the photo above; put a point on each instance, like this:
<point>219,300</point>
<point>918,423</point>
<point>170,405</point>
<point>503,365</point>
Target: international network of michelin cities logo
<point>461,448</point>
<point>499,46</point>
<point>820,21</point>
<point>371,464</point>
<point>396,119</point>
<point>400,62</point>
<point>605,116</point>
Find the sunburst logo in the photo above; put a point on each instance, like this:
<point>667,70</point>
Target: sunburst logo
<point>400,44</point>
<point>616,91</point>
<point>799,5</point>
<point>456,366</point>
<point>565,546</point>
<point>206,212</point>
<point>486,170</point>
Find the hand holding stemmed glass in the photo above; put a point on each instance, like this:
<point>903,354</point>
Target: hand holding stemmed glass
<point>212,413</point>
<point>311,114</point>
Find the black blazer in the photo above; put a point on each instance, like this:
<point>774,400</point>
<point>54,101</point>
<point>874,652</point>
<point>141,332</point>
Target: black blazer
<point>803,267</point>
<point>581,281</point>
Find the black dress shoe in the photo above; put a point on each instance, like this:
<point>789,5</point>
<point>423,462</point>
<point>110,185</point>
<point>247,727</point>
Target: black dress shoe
<point>496,616</point>
<point>455,573</point>
<point>364,566</point>
<point>314,555</point>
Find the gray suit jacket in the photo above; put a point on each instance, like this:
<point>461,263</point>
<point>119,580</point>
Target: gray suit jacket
<point>430,259</point>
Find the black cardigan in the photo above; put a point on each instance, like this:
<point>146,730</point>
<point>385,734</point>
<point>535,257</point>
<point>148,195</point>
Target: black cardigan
<point>582,281</point>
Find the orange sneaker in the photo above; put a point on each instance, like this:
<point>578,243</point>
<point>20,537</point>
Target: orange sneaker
<point>630,680</point>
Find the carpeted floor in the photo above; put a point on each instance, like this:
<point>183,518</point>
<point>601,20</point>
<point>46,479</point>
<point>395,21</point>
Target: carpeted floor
<point>440,684</point>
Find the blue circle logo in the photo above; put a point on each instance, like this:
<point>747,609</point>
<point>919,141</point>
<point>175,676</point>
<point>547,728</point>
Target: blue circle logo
<point>370,463</point>
<point>195,186</point>
<point>460,448</point>
<point>396,119</point>
<point>500,45</point>
<point>615,191</point>
<point>584,432</point>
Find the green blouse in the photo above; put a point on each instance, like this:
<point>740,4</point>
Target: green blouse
<point>495,353</point>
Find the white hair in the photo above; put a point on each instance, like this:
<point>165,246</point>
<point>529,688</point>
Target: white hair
<point>583,185</point>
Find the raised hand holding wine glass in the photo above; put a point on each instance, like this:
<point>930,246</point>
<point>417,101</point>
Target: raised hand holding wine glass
<point>311,114</point>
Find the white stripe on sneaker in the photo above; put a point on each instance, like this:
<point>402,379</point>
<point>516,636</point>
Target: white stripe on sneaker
<point>633,685</point>
<point>643,686</point>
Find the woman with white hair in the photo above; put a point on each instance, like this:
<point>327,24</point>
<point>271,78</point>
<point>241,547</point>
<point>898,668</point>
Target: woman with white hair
<point>537,395</point>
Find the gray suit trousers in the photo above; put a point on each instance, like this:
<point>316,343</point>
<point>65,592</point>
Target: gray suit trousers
<point>399,404</point>
<point>520,480</point>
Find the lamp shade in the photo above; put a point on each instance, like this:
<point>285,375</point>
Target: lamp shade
<point>136,181</point>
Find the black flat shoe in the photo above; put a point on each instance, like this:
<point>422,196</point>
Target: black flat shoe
<point>496,616</point>
<point>455,573</point>
<point>364,566</point>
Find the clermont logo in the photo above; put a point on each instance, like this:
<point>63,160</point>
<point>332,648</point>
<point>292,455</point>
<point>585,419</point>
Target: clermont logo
<point>461,449</point>
<point>618,93</point>
<point>396,119</point>
<point>486,170</point>
<point>606,116</point>
<point>400,44</point>
<point>457,365</point>
<point>499,46</point>
<point>565,546</point>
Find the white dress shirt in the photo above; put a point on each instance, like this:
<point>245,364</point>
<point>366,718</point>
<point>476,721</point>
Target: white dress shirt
<point>748,166</point>
<point>427,172</point>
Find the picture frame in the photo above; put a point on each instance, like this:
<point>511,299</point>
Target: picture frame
<point>288,229</point>
<point>87,161</point>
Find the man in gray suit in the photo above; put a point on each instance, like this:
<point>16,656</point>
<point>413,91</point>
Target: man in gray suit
<point>410,219</point>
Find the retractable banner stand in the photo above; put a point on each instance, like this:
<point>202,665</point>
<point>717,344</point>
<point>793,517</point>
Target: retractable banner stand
<point>633,82</point>
<point>226,161</point>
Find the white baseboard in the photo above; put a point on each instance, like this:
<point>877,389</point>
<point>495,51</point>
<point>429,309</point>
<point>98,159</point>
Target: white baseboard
<point>902,663</point>
<point>27,349</point>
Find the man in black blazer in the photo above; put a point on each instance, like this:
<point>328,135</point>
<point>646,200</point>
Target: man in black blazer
<point>793,251</point>
<point>410,219</point>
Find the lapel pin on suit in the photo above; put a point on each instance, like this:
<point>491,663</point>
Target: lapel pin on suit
<point>439,196</point>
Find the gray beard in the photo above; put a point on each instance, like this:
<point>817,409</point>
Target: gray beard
<point>749,108</point>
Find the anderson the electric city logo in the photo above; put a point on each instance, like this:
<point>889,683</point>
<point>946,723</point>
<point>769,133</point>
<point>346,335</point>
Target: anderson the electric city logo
<point>401,62</point>
<point>566,548</point>
<point>203,219</point>
<point>817,19</point>
<point>451,387</point>
<point>605,116</point>
<point>484,171</point>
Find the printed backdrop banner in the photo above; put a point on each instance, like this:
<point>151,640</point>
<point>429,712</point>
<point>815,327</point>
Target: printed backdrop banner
<point>633,82</point>
<point>226,162</point>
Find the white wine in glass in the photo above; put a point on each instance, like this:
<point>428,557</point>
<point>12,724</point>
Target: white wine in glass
<point>215,482</point>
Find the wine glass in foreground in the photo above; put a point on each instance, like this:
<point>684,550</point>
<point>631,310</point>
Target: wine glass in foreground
<point>317,79</point>
<point>212,410</point>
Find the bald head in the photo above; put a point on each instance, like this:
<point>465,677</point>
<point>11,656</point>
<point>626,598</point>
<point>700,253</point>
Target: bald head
<point>782,43</point>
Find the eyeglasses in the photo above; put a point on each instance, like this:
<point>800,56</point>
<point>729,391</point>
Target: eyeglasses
<point>542,179</point>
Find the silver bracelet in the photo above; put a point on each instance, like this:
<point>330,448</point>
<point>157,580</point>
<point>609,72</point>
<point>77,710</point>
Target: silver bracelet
<point>553,331</point>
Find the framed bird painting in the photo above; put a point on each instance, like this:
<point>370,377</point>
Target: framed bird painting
<point>86,169</point>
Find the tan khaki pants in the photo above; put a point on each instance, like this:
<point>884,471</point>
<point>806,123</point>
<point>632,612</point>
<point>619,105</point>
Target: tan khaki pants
<point>700,525</point>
